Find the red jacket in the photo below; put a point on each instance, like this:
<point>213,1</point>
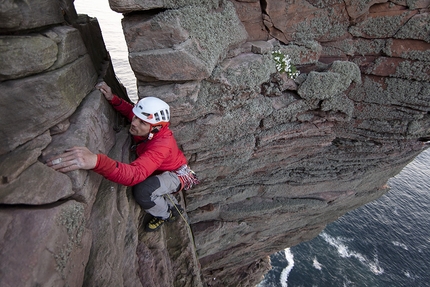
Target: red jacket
<point>159,154</point>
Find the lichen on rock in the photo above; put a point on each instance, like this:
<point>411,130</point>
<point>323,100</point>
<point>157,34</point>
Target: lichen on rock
<point>324,85</point>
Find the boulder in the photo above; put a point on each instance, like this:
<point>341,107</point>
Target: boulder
<point>190,54</point>
<point>145,32</point>
<point>70,45</point>
<point>180,97</point>
<point>397,67</point>
<point>325,85</point>
<point>301,21</point>
<point>53,97</point>
<point>17,55</point>
<point>12,164</point>
<point>127,6</point>
<point>55,48</point>
<point>46,246</point>
<point>34,14</point>
<point>416,28</point>
<point>91,117</point>
<point>251,16</point>
<point>157,65</point>
<point>358,8</point>
<point>114,218</point>
<point>409,49</point>
<point>382,25</point>
<point>37,185</point>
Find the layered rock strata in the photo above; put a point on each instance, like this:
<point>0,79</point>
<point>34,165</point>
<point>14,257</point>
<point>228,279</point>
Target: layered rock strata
<point>278,158</point>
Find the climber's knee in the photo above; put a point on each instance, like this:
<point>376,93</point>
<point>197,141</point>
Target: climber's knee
<point>142,192</point>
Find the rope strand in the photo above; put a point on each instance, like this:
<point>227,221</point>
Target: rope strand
<point>186,222</point>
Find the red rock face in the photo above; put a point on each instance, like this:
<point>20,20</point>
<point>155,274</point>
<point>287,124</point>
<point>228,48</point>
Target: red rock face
<point>278,158</point>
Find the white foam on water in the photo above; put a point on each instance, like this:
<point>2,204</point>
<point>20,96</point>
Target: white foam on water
<point>286,271</point>
<point>407,274</point>
<point>375,268</point>
<point>344,252</point>
<point>399,244</point>
<point>316,264</point>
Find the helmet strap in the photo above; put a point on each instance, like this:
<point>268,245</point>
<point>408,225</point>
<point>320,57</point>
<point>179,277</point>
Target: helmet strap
<point>154,130</point>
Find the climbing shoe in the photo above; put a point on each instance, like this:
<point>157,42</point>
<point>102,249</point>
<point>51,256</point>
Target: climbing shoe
<point>156,222</point>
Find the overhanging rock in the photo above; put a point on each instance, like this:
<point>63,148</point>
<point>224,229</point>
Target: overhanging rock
<point>197,38</point>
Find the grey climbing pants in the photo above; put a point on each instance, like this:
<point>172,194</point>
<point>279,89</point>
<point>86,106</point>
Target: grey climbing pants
<point>149,194</point>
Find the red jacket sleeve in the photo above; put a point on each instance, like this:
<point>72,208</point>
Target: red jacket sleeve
<point>135,172</point>
<point>125,108</point>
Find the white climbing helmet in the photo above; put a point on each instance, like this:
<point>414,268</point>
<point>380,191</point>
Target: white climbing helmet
<point>152,110</point>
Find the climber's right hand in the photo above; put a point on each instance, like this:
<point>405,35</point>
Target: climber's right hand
<point>106,90</point>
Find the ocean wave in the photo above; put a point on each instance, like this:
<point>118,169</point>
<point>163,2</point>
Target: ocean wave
<point>344,252</point>
<point>399,244</point>
<point>316,264</point>
<point>286,271</point>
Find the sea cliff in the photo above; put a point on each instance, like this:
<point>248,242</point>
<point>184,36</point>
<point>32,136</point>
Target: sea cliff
<point>278,158</point>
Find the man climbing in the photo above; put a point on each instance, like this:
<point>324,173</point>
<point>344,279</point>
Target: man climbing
<point>160,167</point>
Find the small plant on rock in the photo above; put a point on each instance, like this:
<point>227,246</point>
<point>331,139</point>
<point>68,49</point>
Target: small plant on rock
<point>283,64</point>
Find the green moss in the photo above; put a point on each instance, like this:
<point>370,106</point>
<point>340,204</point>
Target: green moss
<point>250,74</point>
<point>62,258</point>
<point>340,103</point>
<point>408,93</point>
<point>307,49</point>
<point>174,4</point>
<point>412,96</point>
<point>418,27</point>
<point>417,55</point>
<point>72,218</point>
<point>326,24</point>
<point>287,114</point>
<point>361,4</point>
<point>228,114</point>
<point>308,31</point>
<point>325,3</point>
<point>213,31</point>
<point>320,86</point>
<point>349,72</point>
<point>412,4</point>
<point>413,70</point>
<point>366,47</point>
<point>380,27</point>
<point>329,87</point>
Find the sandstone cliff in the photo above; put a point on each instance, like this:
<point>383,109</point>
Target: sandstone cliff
<point>278,159</point>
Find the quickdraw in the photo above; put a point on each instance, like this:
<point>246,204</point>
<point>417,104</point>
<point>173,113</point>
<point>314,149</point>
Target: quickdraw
<point>187,177</point>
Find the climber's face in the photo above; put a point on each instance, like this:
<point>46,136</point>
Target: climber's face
<point>139,127</point>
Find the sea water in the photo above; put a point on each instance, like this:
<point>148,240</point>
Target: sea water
<point>385,243</point>
<point>113,36</point>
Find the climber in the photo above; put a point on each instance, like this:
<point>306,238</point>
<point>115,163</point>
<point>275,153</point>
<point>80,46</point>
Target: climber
<point>160,167</point>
